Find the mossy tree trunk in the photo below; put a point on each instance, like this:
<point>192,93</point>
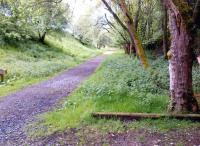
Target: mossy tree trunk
<point>180,63</point>
<point>129,27</point>
<point>133,34</point>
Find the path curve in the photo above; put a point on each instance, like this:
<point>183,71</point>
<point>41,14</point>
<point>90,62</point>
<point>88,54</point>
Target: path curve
<point>19,108</point>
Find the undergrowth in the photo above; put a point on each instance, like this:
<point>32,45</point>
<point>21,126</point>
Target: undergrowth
<point>119,85</point>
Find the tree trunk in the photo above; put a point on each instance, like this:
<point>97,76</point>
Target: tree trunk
<point>165,30</point>
<point>133,35</point>
<point>131,31</point>
<point>42,37</point>
<point>180,64</point>
<point>127,47</point>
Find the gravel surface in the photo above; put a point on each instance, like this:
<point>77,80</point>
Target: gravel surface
<point>20,108</point>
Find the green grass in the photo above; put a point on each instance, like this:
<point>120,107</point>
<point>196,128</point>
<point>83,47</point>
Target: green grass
<point>119,85</point>
<point>30,62</point>
<point>161,125</point>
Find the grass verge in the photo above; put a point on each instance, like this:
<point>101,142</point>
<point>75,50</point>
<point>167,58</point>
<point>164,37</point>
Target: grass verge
<point>30,62</point>
<point>119,85</point>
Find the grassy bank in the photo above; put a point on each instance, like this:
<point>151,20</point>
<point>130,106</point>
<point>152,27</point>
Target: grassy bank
<point>30,62</point>
<point>119,85</point>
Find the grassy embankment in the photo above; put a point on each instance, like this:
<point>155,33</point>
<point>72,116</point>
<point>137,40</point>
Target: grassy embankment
<point>30,62</point>
<point>119,85</point>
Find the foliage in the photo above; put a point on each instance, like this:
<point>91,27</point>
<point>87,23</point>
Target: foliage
<point>119,85</point>
<point>85,31</point>
<point>89,31</point>
<point>196,77</point>
<point>29,61</point>
<point>149,21</point>
<point>22,20</point>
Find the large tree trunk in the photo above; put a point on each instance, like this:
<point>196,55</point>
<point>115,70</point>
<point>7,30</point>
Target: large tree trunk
<point>180,63</point>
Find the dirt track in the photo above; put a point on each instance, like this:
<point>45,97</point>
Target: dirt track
<point>19,108</point>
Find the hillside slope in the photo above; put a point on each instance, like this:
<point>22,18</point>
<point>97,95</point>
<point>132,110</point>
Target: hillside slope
<point>29,62</point>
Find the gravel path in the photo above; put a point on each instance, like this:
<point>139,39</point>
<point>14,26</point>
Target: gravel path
<point>19,108</point>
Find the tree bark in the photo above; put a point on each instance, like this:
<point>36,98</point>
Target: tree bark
<point>180,64</point>
<point>165,30</point>
<point>127,46</point>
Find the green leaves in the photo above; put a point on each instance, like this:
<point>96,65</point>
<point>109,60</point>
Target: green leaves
<point>22,20</point>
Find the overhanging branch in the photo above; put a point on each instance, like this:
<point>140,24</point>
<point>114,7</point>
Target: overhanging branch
<point>114,15</point>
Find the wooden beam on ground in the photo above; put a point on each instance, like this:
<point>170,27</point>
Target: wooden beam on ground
<point>139,116</point>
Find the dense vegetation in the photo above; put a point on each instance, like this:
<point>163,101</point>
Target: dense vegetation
<point>31,20</point>
<point>119,85</point>
<point>179,24</point>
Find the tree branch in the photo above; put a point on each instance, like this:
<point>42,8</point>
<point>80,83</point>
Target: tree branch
<point>114,15</point>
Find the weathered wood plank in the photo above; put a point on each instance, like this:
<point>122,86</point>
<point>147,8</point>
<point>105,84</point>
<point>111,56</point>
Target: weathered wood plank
<point>138,116</point>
